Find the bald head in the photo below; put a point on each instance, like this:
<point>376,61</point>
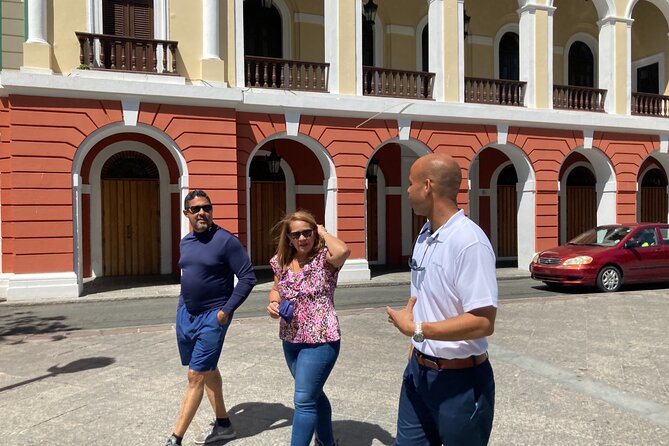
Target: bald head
<point>443,171</point>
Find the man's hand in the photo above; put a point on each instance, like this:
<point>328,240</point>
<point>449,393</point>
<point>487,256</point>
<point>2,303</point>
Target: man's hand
<point>403,319</point>
<point>222,317</point>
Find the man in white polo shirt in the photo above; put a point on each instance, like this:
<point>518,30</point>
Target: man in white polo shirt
<point>448,388</point>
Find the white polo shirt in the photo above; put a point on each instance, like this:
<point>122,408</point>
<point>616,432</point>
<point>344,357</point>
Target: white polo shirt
<point>454,273</point>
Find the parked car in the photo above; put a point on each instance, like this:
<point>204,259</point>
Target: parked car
<point>606,257</point>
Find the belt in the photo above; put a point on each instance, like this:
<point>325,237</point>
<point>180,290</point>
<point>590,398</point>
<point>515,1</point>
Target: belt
<point>450,364</point>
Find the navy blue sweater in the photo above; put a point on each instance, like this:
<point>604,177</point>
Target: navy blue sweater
<point>209,261</point>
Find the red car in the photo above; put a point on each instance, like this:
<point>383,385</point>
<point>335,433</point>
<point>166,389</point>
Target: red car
<point>607,257</point>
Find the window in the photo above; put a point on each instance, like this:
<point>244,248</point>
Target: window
<point>648,79</point>
<point>509,62</point>
<point>581,65</point>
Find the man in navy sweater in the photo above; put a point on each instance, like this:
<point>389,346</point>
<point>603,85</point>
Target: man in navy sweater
<point>210,258</point>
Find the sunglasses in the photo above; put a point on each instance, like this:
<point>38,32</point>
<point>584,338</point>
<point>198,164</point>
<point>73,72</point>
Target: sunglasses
<point>296,235</point>
<point>196,209</point>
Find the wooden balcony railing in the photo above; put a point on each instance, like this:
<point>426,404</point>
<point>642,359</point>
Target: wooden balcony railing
<point>267,72</point>
<point>120,53</point>
<point>648,104</point>
<point>569,97</point>
<point>397,83</point>
<point>495,91</point>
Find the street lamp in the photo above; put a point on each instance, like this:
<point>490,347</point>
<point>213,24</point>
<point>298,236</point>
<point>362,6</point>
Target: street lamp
<point>273,161</point>
<point>370,11</point>
<point>373,168</point>
<point>267,4</point>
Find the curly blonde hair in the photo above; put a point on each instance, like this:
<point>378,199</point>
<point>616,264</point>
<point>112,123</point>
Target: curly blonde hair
<point>285,252</point>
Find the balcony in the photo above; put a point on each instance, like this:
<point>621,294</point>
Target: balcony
<point>128,54</point>
<point>495,91</point>
<point>397,83</point>
<point>648,104</point>
<point>267,72</point>
<point>569,97</point>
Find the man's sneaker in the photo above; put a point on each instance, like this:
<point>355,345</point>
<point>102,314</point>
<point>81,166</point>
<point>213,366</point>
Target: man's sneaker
<point>172,441</point>
<point>216,433</point>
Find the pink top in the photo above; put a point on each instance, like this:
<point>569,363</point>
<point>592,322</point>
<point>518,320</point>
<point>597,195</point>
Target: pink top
<point>312,292</point>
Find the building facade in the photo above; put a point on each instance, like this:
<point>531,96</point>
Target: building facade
<point>111,110</point>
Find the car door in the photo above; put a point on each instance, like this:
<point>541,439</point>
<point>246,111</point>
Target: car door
<point>644,256</point>
<point>664,256</point>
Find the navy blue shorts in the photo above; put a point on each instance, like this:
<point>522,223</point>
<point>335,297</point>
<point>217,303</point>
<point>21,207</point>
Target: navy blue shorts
<point>200,338</point>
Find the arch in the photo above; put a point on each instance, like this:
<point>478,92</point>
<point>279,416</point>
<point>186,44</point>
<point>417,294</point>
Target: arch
<point>662,5</point>
<point>593,45</point>
<point>501,32</point>
<point>605,8</point>
<point>525,189</point>
<point>606,186</point>
<point>165,187</point>
<point>662,162</point>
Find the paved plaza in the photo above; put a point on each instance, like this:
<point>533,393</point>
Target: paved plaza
<point>586,369</point>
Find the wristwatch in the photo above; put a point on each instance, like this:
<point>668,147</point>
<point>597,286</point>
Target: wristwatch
<point>418,332</point>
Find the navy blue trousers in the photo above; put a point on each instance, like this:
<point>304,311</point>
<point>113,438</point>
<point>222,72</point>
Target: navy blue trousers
<point>449,407</point>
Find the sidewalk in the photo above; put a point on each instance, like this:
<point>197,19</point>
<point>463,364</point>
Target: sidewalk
<point>587,369</point>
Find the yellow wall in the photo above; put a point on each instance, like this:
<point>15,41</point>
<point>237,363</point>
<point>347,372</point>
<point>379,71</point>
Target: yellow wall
<point>68,16</point>
<point>400,51</point>
<point>12,34</point>
<point>186,28</point>
<point>309,42</point>
<point>648,25</point>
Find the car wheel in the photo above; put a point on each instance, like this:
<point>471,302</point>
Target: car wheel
<point>609,279</point>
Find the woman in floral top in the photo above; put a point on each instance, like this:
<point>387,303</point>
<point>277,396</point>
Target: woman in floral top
<point>305,268</point>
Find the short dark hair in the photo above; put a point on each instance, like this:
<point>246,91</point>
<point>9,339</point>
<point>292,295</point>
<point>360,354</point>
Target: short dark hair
<point>195,193</point>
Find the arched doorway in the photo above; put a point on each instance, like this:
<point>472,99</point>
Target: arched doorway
<point>130,190</point>
<point>268,205</point>
<point>507,214</point>
<point>581,201</point>
<point>509,59</point>
<point>653,196</point>
<point>581,65</point>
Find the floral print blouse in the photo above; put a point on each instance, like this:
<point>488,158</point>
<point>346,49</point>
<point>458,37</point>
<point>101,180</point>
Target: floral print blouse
<point>312,293</point>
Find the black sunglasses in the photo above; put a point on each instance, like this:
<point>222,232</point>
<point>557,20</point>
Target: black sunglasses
<point>296,235</point>
<point>196,209</point>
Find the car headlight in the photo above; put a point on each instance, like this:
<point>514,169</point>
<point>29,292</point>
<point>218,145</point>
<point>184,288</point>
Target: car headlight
<point>580,260</point>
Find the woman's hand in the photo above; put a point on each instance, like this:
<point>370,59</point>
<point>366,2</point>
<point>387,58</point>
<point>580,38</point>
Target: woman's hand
<point>273,309</point>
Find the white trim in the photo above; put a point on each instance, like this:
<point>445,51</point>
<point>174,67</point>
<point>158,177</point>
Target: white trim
<point>502,133</point>
<point>506,28</point>
<point>593,44</point>
<point>312,19</point>
<point>404,129</point>
<point>461,51</point>
<point>292,119</point>
<point>331,43</point>
<point>650,60</point>
<point>401,30</point>
<point>38,286</point>
<point>130,111</point>
<point>96,203</point>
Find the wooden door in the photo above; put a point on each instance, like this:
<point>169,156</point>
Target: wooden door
<point>507,222</point>
<point>653,204</point>
<point>129,18</point>
<point>130,227</point>
<point>372,223</point>
<point>268,205</point>
<point>581,210</point>
<point>417,222</point>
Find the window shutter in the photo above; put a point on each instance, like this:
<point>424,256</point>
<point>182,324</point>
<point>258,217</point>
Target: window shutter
<point>131,18</point>
<point>141,19</point>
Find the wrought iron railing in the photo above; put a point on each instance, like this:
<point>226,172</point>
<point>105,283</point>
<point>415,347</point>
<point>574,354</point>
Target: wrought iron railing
<point>570,97</point>
<point>268,72</point>
<point>648,104</point>
<point>495,91</point>
<point>397,83</point>
<point>121,53</point>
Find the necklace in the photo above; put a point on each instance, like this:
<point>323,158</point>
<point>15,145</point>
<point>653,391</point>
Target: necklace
<point>301,263</point>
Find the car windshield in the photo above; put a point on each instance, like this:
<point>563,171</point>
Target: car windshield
<point>604,236</point>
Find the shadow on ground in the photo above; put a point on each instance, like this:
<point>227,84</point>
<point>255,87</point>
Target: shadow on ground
<point>24,323</point>
<point>253,418</point>
<point>115,283</point>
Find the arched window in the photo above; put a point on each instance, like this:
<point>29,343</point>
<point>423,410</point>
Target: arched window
<point>581,65</point>
<point>367,43</point>
<point>653,178</point>
<point>262,30</point>
<point>426,53</point>
<point>509,61</point>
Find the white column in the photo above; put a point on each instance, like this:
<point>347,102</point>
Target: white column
<point>529,48</point>
<point>331,29</point>
<point>210,27</point>
<point>609,56</point>
<point>330,185</point>
<point>436,48</point>
<point>36,21</point>
<point>239,43</point>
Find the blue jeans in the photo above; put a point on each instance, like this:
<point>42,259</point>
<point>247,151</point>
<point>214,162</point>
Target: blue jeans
<point>450,407</point>
<point>310,365</point>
